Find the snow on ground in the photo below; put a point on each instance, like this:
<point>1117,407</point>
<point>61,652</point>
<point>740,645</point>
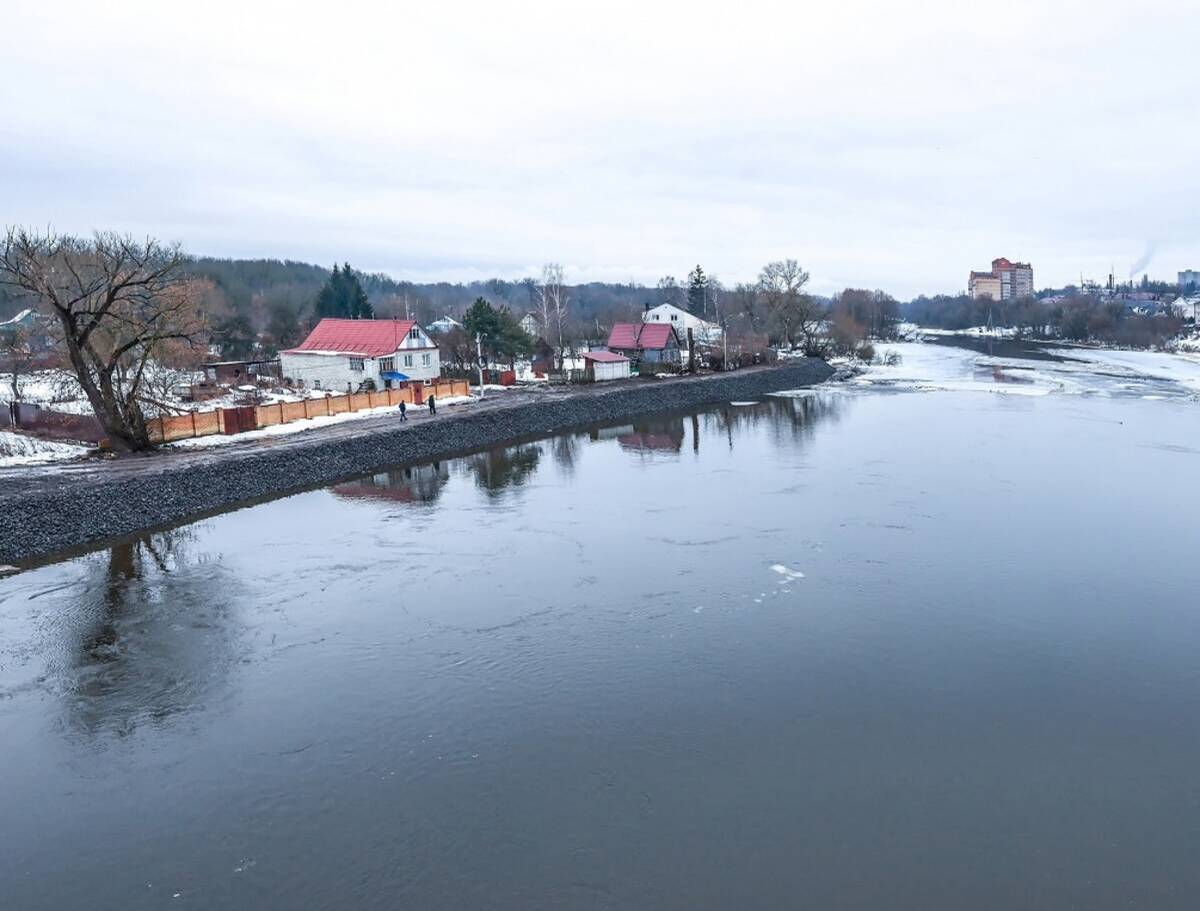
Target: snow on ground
<point>19,449</point>
<point>220,439</point>
<point>932,367</point>
<point>971,332</point>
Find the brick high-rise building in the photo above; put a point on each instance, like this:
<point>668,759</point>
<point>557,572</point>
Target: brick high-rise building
<point>1006,281</point>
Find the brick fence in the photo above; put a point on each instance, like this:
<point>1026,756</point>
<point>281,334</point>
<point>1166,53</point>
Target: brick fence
<point>237,420</point>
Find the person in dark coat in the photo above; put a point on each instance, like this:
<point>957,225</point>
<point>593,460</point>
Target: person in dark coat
<point>403,412</point>
<point>432,406</point>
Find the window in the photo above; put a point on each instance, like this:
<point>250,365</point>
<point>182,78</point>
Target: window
<point>387,364</point>
<point>408,360</point>
<point>674,317</point>
<point>414,332</point>
<point>356,364</point>
<point>426,360</point>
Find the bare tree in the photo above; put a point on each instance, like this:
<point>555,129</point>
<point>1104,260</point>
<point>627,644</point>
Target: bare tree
<point>118,302</point>
<point>553,302</point>
<point>790,311</point>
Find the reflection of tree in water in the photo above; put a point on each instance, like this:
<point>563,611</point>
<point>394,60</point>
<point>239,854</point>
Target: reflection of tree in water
<point>416,484</point>
<point>788,419</point>
<point>508,466</point>
<point>565,449</point>
<point>156,637</point>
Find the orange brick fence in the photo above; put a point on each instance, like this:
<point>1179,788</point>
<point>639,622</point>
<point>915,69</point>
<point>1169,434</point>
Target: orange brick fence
<point>236,420</point>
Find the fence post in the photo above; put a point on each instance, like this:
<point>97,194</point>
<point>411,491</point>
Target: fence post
<point>193,423</point>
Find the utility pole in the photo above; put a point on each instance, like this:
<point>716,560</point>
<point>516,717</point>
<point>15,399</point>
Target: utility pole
<point>479,359</point>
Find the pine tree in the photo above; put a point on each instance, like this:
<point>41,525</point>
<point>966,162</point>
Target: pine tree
<point>697,294</point>
<point>343,296</point>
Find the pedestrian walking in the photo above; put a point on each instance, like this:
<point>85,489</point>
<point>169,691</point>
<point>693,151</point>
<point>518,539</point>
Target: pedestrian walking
<point>432,406</point>
<point>403,413</point>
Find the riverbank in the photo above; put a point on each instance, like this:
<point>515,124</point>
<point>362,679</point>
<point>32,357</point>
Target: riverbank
<point>61,510</point>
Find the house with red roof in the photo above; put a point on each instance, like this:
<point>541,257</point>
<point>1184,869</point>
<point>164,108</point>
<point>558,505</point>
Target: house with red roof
<point>342,354</point>
<point>650,343</point>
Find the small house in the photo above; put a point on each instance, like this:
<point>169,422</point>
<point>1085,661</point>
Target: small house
<point>605,365</point>
<point>235,373</point>
<point>343,354</point>
<point>651,343</point>
<point>443,325</point>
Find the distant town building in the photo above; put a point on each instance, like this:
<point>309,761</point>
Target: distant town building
<point>1006,281</point>
<point>342,354</point>
<point>1189,278</point>
<point>704,332</point>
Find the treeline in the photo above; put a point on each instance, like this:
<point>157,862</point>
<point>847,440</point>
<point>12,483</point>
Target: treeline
<point>1076,317</point>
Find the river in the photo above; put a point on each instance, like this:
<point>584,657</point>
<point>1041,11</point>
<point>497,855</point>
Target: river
<point>924,640</point>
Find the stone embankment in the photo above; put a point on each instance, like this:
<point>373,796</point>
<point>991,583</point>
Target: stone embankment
<point>61,511</point>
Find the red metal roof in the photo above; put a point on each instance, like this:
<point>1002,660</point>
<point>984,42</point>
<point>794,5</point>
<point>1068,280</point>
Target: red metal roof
<point>646,336</point>
<point>362,337</point>
<point>607,357</point>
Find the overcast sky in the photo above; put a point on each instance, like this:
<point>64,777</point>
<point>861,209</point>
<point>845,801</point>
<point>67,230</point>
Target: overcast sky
<point>882,144</point>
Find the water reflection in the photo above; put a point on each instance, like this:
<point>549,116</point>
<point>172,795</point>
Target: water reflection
<point>661,434</point>
<point>415,484</point>
<point>788,420</point>
<point>154,636</point>
<point>496,469</point>
<point>785,420</point>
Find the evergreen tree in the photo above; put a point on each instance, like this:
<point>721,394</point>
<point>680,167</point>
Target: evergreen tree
<point>343,296</point>
<point>503,336</point>
<point>697,294</point>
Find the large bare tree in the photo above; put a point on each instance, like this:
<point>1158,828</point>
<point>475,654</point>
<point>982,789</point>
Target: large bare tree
<point>120,304</point>
<point>791,312</point>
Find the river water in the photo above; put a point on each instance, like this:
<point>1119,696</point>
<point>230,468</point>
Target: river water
<point>927,640</point>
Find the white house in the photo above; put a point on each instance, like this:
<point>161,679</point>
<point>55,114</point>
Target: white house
<point>342,354</point>
<point>444,325</point>
<point>704,332</point>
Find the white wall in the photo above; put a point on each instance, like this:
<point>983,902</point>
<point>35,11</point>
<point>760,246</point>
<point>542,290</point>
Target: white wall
<point>610,370</point>
<point>332,371</point>
<point>703,331</point>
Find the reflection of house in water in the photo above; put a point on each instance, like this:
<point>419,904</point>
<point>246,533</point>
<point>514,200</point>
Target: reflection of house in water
<point>611,433</point>
<point>655,435</point>
<point>417,484</point>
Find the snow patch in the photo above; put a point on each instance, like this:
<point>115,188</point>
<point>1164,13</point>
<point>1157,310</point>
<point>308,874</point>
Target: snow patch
<point>788,573</point>
<point>18,449</point>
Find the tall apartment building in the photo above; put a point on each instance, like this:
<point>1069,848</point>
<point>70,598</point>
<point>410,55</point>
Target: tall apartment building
<point>1006,281</point>
<point>1189,277</point>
